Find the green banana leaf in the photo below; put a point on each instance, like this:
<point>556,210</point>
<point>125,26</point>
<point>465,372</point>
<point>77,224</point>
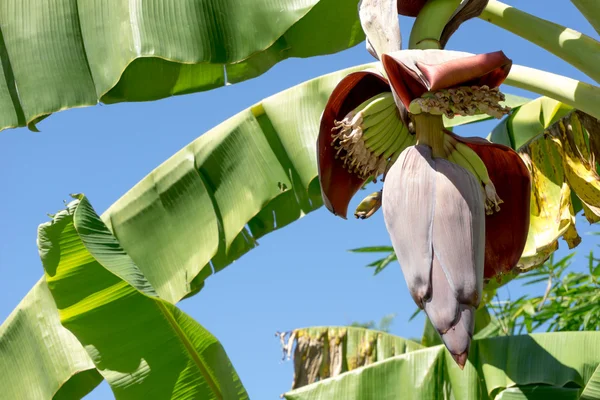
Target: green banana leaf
<point>528,121</point>
<point>40,359</point>
<point>590,10</point>
<point>207,205</point>
<point>198,212</point>
<point>144,346</point>
<point>60,54</point>
<point>563,365</point>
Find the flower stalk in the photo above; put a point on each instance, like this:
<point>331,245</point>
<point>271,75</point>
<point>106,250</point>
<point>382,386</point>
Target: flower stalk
<point>430,23</point>
<point>577,49</point>
<point>577,94</point>
<point>430,132</point>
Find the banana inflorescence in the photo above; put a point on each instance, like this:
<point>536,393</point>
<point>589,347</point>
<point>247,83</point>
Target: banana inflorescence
<point>461,154</point>
<point>371,136</point>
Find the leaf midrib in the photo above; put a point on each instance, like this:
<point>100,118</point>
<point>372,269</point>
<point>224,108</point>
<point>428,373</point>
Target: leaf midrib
<point>195,356</point>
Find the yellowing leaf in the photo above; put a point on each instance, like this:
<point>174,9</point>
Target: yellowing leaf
<point>562,162</point>
<point>324,352</point>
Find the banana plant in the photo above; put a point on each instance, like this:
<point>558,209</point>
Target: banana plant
<point>456,209</point>
<point>591,11</point>
<point>207,183</point>
<point>187,200</point>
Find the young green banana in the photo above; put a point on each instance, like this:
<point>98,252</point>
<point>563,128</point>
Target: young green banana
<point>461,154</point>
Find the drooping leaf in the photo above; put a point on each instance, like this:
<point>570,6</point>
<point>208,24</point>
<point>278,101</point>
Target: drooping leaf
<point>552,214</point>
<point>207,205</point>
<point>559,152</point>
<point>39,358</point>
<point>61,54</point>
<point>561,364</point>
<point>142,345</point>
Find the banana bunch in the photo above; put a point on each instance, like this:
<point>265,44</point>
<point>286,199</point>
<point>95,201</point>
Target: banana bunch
<point>461,154</point>
<point>370,136</point>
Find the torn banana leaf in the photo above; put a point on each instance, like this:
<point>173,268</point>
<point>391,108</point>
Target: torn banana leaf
<point>144,346</point>
<point>564,363</point>
<point>560,147</point>
<point>325,352</point>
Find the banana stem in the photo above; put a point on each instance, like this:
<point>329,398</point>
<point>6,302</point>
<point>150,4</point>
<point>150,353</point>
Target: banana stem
<point>590,10</point>
<point>430,132</point>
<point>580,95</point>
<point>429,25</point>
<point>577,49</point>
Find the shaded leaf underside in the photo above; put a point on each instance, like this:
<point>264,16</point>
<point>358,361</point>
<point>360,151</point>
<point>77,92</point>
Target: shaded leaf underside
<point>60,54</point>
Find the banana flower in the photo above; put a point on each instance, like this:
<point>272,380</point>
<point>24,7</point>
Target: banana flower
<point>457,209</point>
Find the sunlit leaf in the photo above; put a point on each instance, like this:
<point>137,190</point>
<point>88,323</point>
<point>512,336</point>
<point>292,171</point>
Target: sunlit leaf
<point>39,358</point>
<point>563,364</point>
<point>142,345</point>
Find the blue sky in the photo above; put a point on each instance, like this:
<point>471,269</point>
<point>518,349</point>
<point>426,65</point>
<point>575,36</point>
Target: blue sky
<point>299,276</point>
